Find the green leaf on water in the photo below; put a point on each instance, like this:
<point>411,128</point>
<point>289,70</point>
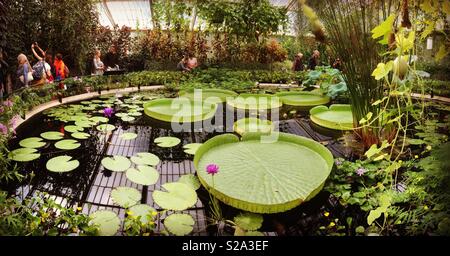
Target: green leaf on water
<point>107,221</point>
<point>127,118</point>
<point>143,175</point>
<point>32,142</point>
<point>73,128</point>
<point>179,224</point>
<point>144,211</point>
<point>191,180</point>
<point>191,148</point>
<point>249,221</point>
<point>167,142</point>
<point>62,164</point>
<point>52,135</point>
<point>24,154</point>
<point>178,197</point>
<point>106,128</point>
<point>145,158</point>
<point>67,144</point>
<point>125,196</point>
<point>116,163</point>
<point>81,135</point>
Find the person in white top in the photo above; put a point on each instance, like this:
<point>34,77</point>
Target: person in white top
<point>99,67</point>
<point>42,66</point>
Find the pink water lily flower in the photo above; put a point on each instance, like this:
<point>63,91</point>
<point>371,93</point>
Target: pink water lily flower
<point>212,169</point>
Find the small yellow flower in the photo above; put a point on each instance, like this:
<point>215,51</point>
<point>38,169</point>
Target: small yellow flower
<point>425,207</point>
<point>151,222</point>
<point>130,213</point>
<point>400,161</point>
<point>416,156</point>
<point>332,224</point>
<point>154,213</point>
<point>146,234</point>
<point>326,214</point>
<point>428,147</point>
<point>79,208</point>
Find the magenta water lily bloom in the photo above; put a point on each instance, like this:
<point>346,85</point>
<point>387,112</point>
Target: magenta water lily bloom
<point>108,112</point>
<point>212,169</point>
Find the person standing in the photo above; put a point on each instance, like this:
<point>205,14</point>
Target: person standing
<point>99,67</point>
<point>61,70</point>
<point>298,63</point>
<point>42,70</point>
<point>24,72</point>
<point>314,60</point>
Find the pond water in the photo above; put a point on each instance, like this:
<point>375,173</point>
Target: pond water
<point>89,185</point>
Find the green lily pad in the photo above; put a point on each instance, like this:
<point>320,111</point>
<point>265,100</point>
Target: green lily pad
<point>135,113</point>
<point>264,174</point>
<point>191,180</point>
<point>62,164</point>
<point>337,117</point>
<point>125,196</point>
<point>167,142</point>
<point>248,101</point>
<point>128,136</point>
<point>249,221</point>
<point>144,158</point>
<point>179,110</point>
<point>24,154</point>
<point>143,175</point>
<point>32,142</point>
<point>99,119</point>
<point>127,118</point>
<point>116,163</point>
<point>67,144</point>
<point>191,148</point>
<point>209,95</point>
<point>90,107</point>
<point>178,197</point>
<point>253,125</point>
<point>121,114</point>
<point>81,135</point>
<point>52,135</point>
<point>85,123</point>
<point>179,224</point>
<point>107,221</point>
<point>73,128</point>
<point>106,128</point>
<point>144,211</point>
<point>303,99</point>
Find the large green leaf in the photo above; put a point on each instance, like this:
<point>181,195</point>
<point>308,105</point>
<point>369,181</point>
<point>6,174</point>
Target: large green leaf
<point>73,128</point>
<point>180,110</point>
<point>179,224</point>
<point>208,95</point>
<point>116,163</point>
<point>81,135</point>
<point>337,117</point>
<point>144,211</point>
<point>191,180</point>
<point>125,196</point>
<point>52,135</point>
<point>107,222</point>
<point>143,175</point>
<point>85,123</point>
<point>144,158</point>
<point>304,99</point>
<point>67,144</point>
<point>384,28</point>
<point>249,221</point>
<point>24,154</point>
<point>249,101</point>
<point>264,175</point>
<point>62,164</point>
<point>32,142</point>
<point>191,148</point>
<point>178,197</point>
<point>252,125</point>
<point>167,142</point>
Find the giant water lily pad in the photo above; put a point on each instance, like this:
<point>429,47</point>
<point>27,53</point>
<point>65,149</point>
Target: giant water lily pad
<point>106,128</point>
<point>248,101</point>
<point>62,164</point>
<point>24,154</point>
<point>178,197</point>
<point>252,125</point>
<point>167,142</point>
<point>52,135</point>
<point>191,148</point>
<point>303,99</point>
<point>125,196</point>
<point>144,211</point>
<point>144,158</point>
<point>143,175</point>
<point>116,163</point>
<point>191,180</point>
<point>208,95</point>
<point>67,144</point>
<point>179,224</point>
<point>337,117</point>
<point>179,110</point>
<point>264,174</point>
<point>107,221</point>
<point>32,142</point>
<point>128,136</point>
<point>81,135</point>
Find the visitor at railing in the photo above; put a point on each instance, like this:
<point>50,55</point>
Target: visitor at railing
<point>24,72</point>
<point>99,67</point>
<point>41,70</point>
<point>61,70</point>
<point>298,63</point>
<point>111,60</point>
<point>314,60</point>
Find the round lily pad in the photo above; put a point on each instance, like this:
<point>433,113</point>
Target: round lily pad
<point>135,113</point>
<point>191,148</point>
<point>32,142</point>
<point>99,119</point>
<point>128,136</point>
<point>180,110</point>
<point>67,144</point>
<point>144,158</point>
<point>127,118</point>
<point>178,197</point>
<point>264,174</point>
<point>73,128</point>
<point>249,221</point>
<point>144,211</point>
<point>191,180</point>
<point>167,142</point>
<point>303,99</point>
<point>81,135</point>
<point>248,101</point>
<point>125,196</point>
<point>62,164</point>
<point>116,163</point>
<point>179,224</point>
<point>107,221</point>
<point>121,114</point>
<point>143,175</point>
<point>52,135</point>
<point>106,128</point>
<point>253,125</point>
<point>337,117</point>
<point>24,154</point>
<point>208,95</point>
<point>85,123</point>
